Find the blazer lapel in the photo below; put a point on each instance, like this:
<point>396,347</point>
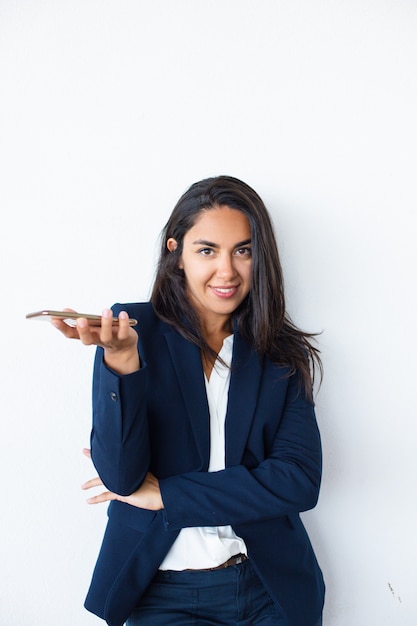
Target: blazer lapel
<point>243,392</point>
<point>188,367</point>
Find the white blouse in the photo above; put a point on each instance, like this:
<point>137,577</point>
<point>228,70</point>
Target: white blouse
<point>209,546</point>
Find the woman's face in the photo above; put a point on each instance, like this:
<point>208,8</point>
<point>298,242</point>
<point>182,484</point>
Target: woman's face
<point>216,260</point>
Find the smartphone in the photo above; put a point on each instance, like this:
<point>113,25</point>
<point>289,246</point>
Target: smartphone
<point>70,317</point>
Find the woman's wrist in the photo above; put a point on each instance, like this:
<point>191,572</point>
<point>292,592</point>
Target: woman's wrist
<point>122,361</point>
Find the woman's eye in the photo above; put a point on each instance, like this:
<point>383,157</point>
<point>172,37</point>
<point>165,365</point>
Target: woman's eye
<point>206,251</point>
<point>244,251</point>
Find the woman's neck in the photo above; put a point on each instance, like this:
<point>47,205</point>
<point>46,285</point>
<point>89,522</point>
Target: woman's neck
<point>214,337</point>
<point>215,331</point>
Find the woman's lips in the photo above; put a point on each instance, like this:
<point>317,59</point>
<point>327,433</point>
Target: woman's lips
<point>225,292</point>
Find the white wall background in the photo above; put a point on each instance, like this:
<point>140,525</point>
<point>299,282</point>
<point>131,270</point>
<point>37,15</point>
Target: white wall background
<point>109,110</point>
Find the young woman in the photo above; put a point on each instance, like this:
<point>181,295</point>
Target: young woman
<point>204,431</point>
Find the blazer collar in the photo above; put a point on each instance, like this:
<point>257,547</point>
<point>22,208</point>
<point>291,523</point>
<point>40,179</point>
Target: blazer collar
<point>188,367</point>
<point>243,392</point>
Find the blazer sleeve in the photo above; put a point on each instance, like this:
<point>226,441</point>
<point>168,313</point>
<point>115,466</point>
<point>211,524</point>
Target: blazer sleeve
<point>284,483</point>
<point>119,437</point>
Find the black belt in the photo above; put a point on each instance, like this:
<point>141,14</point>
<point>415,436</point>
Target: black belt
<point>234,560</point>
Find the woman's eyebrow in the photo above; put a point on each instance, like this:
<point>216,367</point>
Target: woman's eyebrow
<point>203,242</point>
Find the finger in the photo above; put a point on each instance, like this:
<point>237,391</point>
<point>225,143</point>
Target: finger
<point>69,331</point>
<point>87,452</point>
<point>124,326</point>
<point>106,496</point>
<point>84,330</point>
<point>94,482</point>
<point>106,332</point>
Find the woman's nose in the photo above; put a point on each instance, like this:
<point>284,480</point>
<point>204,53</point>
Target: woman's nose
<point>225,267</point>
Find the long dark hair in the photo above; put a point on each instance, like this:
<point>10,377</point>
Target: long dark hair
<point>261,318</point>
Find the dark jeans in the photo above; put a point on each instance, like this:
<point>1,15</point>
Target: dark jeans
<point>229,597</point>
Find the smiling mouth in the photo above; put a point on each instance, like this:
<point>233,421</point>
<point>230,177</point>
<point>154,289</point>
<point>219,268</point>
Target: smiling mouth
<point>225,291</point>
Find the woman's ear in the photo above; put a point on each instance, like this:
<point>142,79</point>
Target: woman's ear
<point>172,244</point>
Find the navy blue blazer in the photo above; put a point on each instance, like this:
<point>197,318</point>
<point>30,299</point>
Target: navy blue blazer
<point>157,420</point>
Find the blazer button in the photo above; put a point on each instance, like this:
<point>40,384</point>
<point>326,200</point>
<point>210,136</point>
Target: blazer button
<point>113,396</point>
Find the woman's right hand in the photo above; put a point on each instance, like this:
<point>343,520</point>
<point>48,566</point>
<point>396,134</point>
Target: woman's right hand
<point>119,341</point>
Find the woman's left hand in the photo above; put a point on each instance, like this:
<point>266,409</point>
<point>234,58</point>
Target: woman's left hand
<point>148,496</point>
